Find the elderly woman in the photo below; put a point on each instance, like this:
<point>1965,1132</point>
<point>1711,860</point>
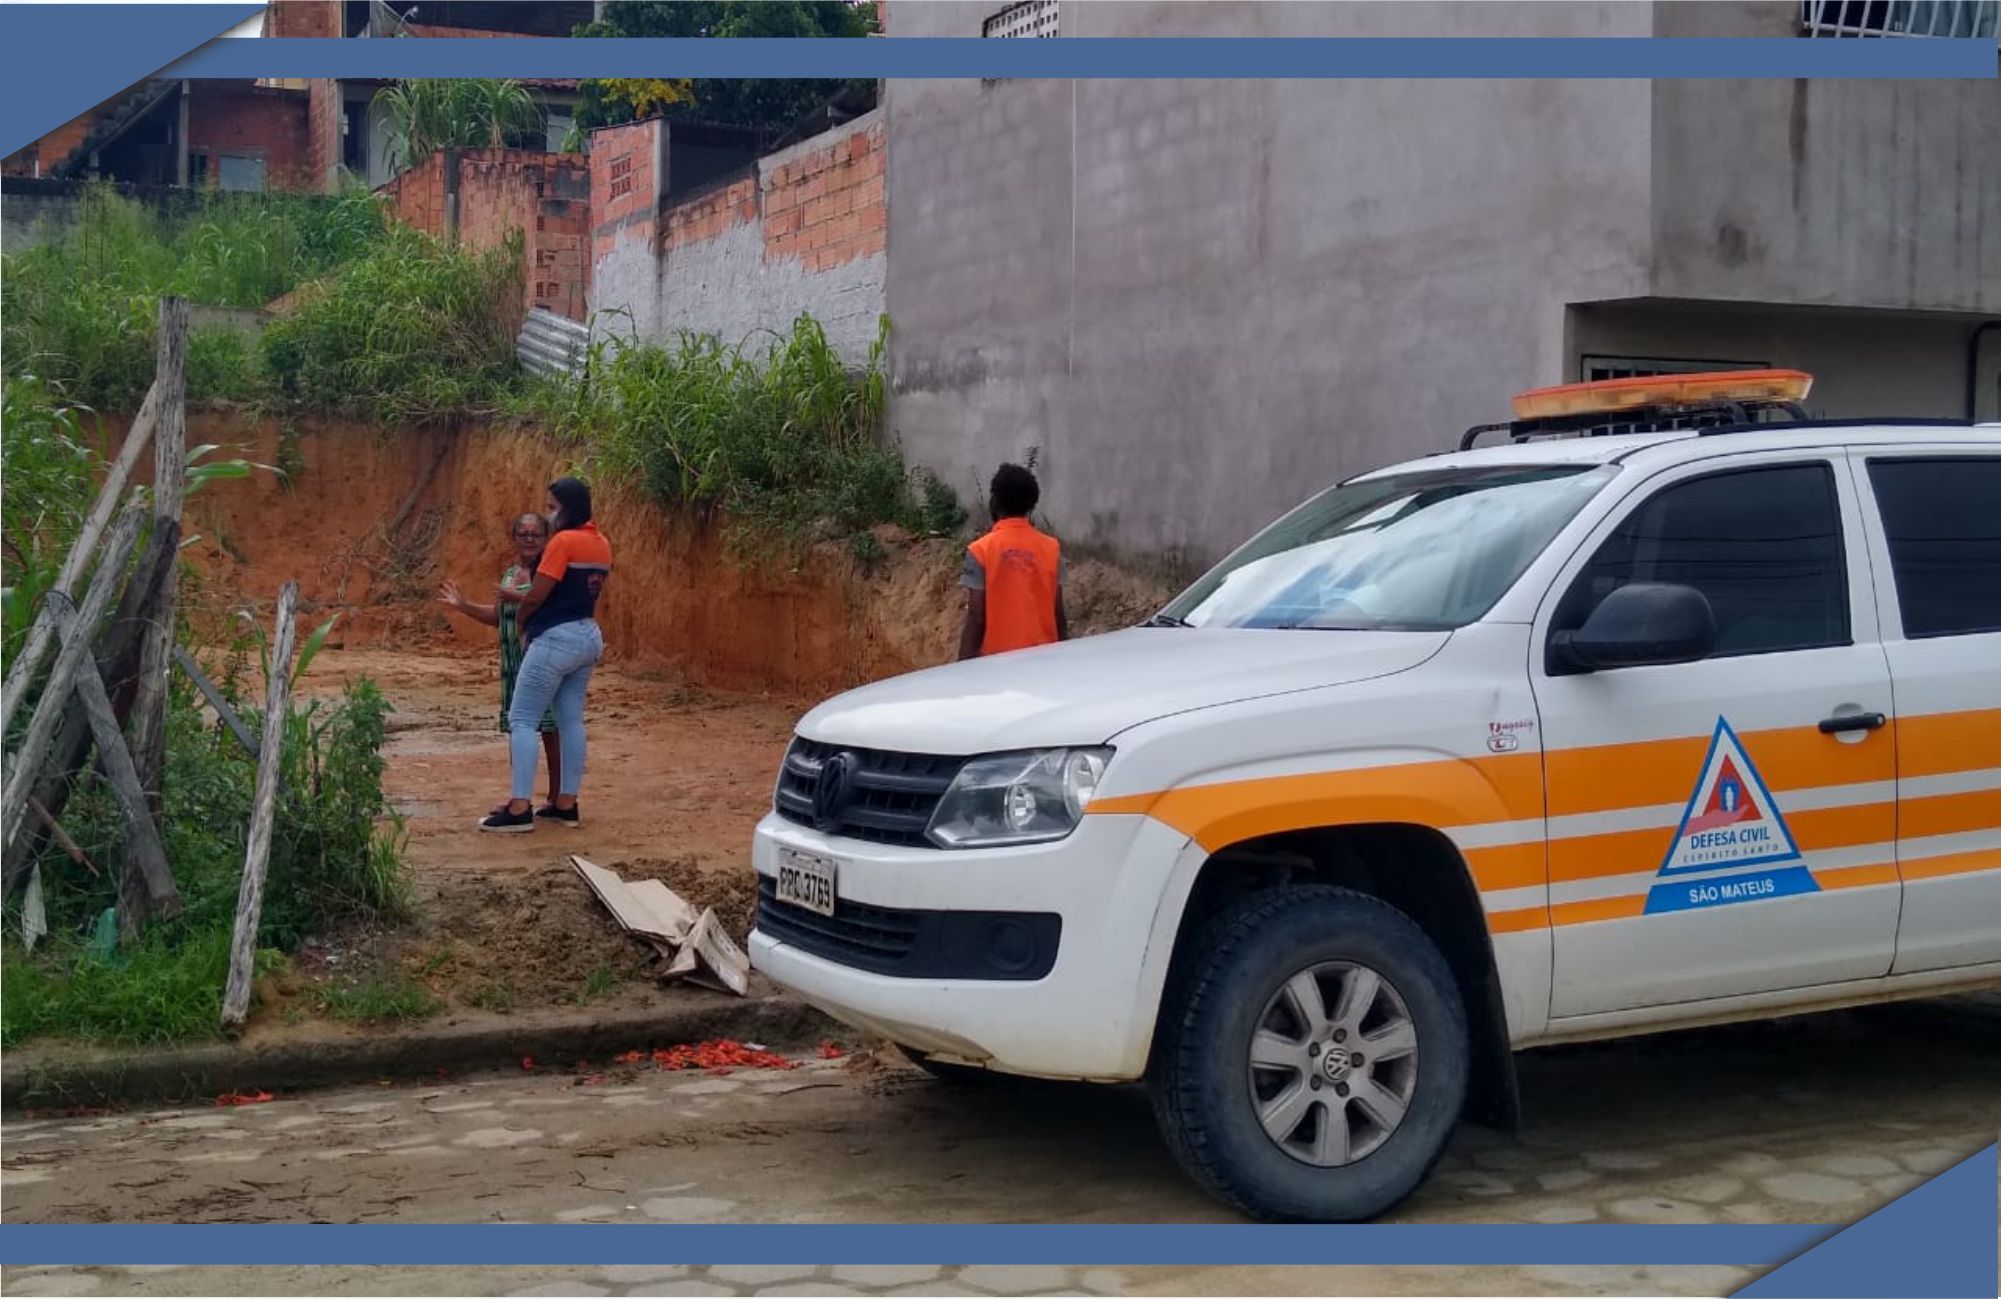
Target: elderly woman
<point>530,536</point>
<point>558,620</point>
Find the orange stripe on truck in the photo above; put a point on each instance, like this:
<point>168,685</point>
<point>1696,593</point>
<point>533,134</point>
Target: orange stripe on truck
<point>1628,852</point>
<point>1441,794</point>
<point>1609,777</point>
<point>1949,814</point>
<point>1939,744</point>
<point>1959,863</point>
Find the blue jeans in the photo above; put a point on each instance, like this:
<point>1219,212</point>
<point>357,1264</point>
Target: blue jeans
<point>555,672</point>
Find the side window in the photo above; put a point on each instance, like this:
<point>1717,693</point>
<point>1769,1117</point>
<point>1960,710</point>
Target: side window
<point>1942,520</point>
<point>1763,544</point>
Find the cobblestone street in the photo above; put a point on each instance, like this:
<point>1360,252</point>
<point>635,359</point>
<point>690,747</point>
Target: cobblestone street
<point>1813,1120</point>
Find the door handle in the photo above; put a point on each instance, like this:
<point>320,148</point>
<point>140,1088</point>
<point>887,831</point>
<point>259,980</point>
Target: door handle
<point>1852,722</point>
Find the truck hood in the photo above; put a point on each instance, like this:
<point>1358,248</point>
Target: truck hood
<point>1087,691</point>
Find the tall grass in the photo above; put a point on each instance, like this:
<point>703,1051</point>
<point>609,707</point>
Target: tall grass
<point>80,311</point>
<point>775,433</point>
<point>48,478</point>
<point>412,330</point>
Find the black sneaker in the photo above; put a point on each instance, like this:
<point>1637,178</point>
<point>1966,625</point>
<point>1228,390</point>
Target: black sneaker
<point>506,822</point>
<point>560,815</point>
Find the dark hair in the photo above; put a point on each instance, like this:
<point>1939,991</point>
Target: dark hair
<point>1013,492</point>
<point>574,496</point>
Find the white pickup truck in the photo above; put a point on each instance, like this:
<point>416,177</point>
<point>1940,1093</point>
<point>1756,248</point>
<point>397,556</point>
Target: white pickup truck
<point>1582,735</point>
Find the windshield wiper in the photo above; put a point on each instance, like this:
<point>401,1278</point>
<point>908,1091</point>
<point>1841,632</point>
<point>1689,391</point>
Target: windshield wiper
<point>1165,620</point>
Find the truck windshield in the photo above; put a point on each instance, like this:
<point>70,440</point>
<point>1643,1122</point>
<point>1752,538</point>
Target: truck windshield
<point>1428,550</point>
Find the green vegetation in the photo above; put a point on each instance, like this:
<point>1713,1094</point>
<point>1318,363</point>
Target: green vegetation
<point>80,312</point>
<point>783,443</point>
<point>467,112</point>
<point>772,103</point>
<point>377,1000</point>
<point>335,855</point>
<point>48,490</point>
<point>776,434</point>
<point>601,980</point>
<point>412,330</point>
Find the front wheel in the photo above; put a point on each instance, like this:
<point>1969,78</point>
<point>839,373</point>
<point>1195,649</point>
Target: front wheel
<point>1313,1062</point>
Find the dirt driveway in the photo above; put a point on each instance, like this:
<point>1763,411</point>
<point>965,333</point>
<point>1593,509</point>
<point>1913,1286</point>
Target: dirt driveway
<point>677,779</point>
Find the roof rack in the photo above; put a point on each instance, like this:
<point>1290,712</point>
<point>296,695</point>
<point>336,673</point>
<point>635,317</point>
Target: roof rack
<point>1652,403</point>
<point>1722,418</point>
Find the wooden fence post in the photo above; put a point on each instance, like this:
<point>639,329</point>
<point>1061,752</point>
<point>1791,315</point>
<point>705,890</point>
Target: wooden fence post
<point>54,701</point>
<point>148,721</point>
<point>263,809</point>
<point>21,672</point>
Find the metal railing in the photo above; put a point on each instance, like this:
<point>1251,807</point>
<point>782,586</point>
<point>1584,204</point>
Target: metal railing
<point>1902,18</point>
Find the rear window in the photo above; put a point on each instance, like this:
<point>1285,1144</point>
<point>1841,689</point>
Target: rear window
<point>1942,520</point>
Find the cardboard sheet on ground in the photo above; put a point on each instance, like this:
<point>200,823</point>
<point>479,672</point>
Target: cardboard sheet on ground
<point>694,945</point>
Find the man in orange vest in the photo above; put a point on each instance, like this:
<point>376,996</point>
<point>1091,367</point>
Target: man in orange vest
<point>1013,575</point>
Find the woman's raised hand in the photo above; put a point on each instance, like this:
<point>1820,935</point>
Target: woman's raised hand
<point>448,594</point>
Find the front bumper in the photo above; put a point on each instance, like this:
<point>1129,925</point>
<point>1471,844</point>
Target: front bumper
<point>1086,1018</point>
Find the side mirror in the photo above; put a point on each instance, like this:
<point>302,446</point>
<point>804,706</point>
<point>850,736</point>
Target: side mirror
<point>1639,625</point>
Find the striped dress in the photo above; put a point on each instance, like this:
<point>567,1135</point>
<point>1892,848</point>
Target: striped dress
<point>516,581</point>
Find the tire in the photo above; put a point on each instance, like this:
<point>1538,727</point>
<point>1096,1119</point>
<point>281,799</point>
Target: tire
<point>1243,977</point>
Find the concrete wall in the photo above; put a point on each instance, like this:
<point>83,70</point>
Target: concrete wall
<point>1859,193</point>
<point>802,231</point>
<point>1198,302</point>
<point>1201,301</point>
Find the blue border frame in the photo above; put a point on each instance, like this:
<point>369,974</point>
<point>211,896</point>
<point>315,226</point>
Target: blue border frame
<point>1938,1240</point>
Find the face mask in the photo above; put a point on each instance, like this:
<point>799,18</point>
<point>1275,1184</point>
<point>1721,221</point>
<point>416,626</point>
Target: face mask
<point>555,522</point>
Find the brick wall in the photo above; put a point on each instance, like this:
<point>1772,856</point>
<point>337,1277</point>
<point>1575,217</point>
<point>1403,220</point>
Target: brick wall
<point>545,196</point>
<point>417,196</point>
<point>801,231</point>
<point>323,132</point>
<point>625,189</point>
<point>825,205</point>
<point>38,158</point>
<point>241,118</point>
<point>304,18</point>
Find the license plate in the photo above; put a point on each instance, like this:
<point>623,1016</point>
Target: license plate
<point>806,881</point>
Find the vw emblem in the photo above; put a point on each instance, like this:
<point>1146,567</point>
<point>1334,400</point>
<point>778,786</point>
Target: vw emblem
<point>830,789</point>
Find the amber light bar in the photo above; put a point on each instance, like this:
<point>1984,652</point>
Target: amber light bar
<point>1656,391</point>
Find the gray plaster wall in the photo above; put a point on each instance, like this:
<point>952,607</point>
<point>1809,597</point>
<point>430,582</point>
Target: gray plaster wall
<point>31,218</point>
<point>1201,301</point>
<point>1857,193</point>
<point>726,285</point>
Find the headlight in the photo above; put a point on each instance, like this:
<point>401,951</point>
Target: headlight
<point>1015,798</point>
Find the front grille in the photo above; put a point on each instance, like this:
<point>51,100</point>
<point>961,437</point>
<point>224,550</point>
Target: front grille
<point>913,944</point>
<point>891,796</point>
<point>857,934</point>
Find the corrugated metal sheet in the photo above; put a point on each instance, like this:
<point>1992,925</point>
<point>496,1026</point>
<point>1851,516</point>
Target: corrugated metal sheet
<point>552,344</point>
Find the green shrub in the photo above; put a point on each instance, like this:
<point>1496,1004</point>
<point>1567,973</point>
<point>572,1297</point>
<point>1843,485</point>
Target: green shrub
<point>48,472</point>
<point>81,310</point>
<point>785,442</point>
<point>413,330</point>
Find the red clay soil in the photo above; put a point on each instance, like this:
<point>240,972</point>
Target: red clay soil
<point>708,665</point>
